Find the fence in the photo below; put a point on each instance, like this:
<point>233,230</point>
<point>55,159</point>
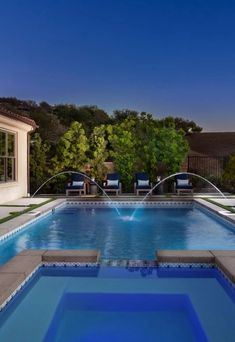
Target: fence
<point>207,166</point>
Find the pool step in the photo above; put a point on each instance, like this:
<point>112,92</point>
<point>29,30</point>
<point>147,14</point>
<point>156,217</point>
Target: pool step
<point>225,260</point>
<point>185,256</point>
<point>89,256</point>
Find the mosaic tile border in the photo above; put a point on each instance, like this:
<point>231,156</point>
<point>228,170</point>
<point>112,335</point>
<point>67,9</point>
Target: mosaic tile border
<point>132,204</point>
<point>70,264</point>
<point>186,264</point>
<point>129,263</point>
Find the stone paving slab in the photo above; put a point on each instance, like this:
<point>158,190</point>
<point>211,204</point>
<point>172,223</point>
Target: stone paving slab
<point>218,253</point>
<point>24,264</point>
<point>32,252</point>
<point>71,256</point>
<point>223,201</point>
<point>5,211</point>
<point>9,283</point>
<point>27,201</point>
<point>185,256</point>
<point>3,231</point>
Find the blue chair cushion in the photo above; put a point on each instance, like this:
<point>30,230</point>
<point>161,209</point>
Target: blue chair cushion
<point>76,177</point>
<point>113,176</point>
<point>141,176</point>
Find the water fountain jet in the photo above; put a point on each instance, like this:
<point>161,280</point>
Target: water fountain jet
<point>174,175</point>
<point>79,173</point>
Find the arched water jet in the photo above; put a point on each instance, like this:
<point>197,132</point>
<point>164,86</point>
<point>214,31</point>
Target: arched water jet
<point>79,173</point>
<point>174,175</point>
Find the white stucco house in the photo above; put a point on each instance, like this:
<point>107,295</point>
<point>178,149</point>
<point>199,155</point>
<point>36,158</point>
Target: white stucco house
<point>14,155</point>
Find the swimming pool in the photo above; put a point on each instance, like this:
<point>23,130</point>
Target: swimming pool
<point>121,304</point>
<point>118,237</point>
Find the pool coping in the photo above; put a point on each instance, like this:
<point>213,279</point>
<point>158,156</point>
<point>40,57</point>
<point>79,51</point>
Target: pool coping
<point>19,270</point>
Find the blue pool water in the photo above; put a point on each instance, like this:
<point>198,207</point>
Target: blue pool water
<point>119,238</point>
<point>121,305</point>
<point>133,317</point>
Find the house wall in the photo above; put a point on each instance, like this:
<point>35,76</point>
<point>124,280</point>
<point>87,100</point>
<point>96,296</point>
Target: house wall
<point>16,189</point>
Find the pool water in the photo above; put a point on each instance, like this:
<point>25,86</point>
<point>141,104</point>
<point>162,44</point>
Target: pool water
<point>131,317</point>
<point>121,304</point>
<point>118,237</point>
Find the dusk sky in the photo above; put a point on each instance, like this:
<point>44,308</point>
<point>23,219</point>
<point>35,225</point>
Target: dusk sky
<point>167,57</point>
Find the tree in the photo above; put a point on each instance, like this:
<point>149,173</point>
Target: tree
<point>99,152</point>
<point>172,148</point>
<point>187,126</point>
<point>159,145</point>
<point>89,116</point>
<point>229,173</point>
<point>38,166</point>
<point>123,149</point>
<point>72,150</point>
<point>139,144</point>
<point>121,115</point>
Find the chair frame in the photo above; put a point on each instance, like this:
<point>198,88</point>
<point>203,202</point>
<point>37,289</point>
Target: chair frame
<point>184,190</point>
<point>80,191</point>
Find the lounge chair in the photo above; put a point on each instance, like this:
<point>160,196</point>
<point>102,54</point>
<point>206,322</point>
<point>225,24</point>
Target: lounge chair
<point>112,183</point>
<point>77,184</point>
<point>182,184</point>
<point>142,183</point>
